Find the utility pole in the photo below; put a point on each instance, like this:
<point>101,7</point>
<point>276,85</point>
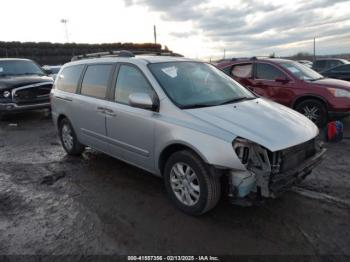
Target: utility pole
<point>224,53</point>
<point>314,49</point>
<point>155,34</point>
<point>64,22</point>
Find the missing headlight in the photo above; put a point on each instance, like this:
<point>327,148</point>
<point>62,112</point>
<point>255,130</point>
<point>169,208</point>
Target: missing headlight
<point>242,149</point>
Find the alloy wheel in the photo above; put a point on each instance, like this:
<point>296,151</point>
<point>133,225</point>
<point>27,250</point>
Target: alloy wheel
<point>312,112</point>
<point>67,137</point>
<point>185,184</point>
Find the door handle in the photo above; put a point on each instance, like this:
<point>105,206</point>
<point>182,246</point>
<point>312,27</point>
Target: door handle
<point>109,112</point>
<point>106,111</point>
<point>101,109</point>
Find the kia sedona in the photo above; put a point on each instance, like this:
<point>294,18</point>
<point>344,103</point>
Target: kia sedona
<point>187,122</point>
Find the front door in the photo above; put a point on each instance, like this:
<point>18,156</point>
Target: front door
<point>272,83</point>
<point>130,130</point>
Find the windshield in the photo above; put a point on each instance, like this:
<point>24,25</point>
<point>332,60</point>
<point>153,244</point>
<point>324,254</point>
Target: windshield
<point>19,67</point>
<point>194,84</point>
<point>301,71</point>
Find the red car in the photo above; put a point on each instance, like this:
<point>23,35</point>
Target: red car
<point>294,85</point>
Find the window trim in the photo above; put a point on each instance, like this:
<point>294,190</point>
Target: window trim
<point>114,86</point>
<point>113,65</point>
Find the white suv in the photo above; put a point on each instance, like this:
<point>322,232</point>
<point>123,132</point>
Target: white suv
<point>185,121</point>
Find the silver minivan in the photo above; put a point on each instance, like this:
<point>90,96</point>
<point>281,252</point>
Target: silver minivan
<point>187,122</point>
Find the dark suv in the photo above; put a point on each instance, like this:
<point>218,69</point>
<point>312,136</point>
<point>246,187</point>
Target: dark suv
<point>324,64</point>
<point>293,84</point>
<point>23,86</point>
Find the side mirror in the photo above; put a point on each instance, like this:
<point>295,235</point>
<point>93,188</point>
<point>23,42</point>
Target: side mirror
<point>142,100</point>
<point>282,79</point>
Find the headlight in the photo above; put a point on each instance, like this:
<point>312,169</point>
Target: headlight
<point>339,92</point>
<point>6,94</point>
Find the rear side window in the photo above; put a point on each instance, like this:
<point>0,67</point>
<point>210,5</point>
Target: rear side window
<point>68,79</point>
<point>95,81</point>
<point>267,72</point>
<point>130,80</point>
<point>243,71</point>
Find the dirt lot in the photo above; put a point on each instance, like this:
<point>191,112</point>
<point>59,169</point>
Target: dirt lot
<point>54,204</point>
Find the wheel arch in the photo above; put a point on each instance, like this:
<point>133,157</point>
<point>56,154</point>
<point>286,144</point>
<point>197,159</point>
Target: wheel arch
<point>60,118</point>
<point>302,98</point>
<point>171,149</point>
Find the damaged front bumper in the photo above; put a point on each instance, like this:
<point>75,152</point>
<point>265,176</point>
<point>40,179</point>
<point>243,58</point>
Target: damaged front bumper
<point>281,182</point>
<point>268,174</point>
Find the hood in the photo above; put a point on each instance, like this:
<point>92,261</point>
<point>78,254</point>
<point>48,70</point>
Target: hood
<point>17,81</point>
<point>262,121</point>
<point>335,83</point>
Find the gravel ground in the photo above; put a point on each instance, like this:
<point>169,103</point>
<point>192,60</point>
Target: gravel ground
<point>54,204</point>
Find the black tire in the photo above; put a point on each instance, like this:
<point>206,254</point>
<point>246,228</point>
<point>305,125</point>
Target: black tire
<point>321,111</point>
<point>208,182</point>
<point>76,148</point>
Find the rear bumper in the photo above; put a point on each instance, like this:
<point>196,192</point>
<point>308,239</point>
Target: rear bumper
<point>283,181</point>
<point>13,107</point>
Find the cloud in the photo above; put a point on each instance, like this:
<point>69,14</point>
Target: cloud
<point>251,25</point>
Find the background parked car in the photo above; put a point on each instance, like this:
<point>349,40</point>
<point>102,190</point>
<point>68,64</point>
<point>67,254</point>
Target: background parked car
<point>52,71</point>
<point>324,64</point>
<point>23,86</point>
<point>305,63</point>
<point>339,72</point>
<point>294,85</point>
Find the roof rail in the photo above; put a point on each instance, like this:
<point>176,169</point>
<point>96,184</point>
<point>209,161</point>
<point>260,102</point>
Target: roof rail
<point>125,53</point>
<point>257,57</point>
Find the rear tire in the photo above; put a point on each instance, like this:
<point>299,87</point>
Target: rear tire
<point>315,110</point>
<point>192,185</point>
<point>69,139</point>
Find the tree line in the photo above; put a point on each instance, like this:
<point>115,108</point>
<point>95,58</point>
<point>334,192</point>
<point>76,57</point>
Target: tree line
<point>46,53</point>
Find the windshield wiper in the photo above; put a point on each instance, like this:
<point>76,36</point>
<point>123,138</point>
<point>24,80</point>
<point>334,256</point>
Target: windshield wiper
<point>196,106</point>
<point>235,100</point>
<point>315,79</point>
<point>39,74</point>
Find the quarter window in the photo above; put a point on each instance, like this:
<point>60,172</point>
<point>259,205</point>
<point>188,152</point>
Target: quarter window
<point>130,80</point>
<point>243,71</point>
<point>68,79</point>
<point>267,72</point>
<point>95,82</point>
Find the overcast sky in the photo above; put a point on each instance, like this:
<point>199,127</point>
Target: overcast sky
<point>195,28</point>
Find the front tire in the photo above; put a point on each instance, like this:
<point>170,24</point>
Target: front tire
<point>192,185</point>
<point>69,139</point>
<point>315,110</point>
